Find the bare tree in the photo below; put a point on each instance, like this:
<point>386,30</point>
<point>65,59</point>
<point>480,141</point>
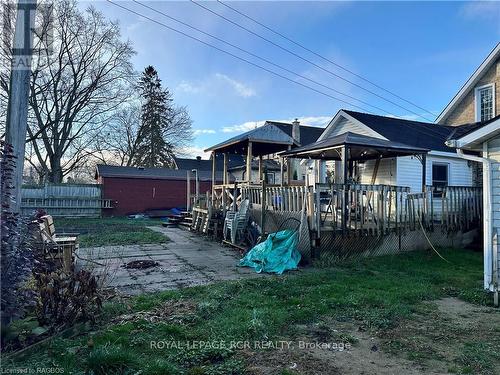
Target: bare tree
<point>118,145</point>
<point>82,73</point>
<point>120,140</point>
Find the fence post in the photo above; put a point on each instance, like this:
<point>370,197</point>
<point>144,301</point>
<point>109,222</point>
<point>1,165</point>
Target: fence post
<point>263,205</point>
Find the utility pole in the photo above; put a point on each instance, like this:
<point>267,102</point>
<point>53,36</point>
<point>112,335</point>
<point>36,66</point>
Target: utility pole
<point>17,109</point>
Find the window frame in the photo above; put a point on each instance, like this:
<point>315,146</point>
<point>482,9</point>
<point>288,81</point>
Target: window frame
<point>477,98</point>
<point>269,174</point>
<point>444,164</point>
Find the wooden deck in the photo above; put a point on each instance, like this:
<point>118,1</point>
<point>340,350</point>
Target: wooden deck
<point>363,209</point>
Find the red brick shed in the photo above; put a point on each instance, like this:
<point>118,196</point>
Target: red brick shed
<point>137,189</point>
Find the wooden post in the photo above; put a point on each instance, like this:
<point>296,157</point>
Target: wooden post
<point>197,184</point>
<point>214,174</point>
<point>225,179</point>
<point>188,191</point>
<point>424,173</point>
<point>17,107</point>
<point>289,173</point>
<point>263,205</point>
<point>345,212</point>
<point>67,258</point>
<point>249,162</point>
<point>261,177</point>
<point>282,170</point>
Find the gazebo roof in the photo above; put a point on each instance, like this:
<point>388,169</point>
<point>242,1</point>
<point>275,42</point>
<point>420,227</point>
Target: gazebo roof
<point>361,147</point>
<point>267,139</point>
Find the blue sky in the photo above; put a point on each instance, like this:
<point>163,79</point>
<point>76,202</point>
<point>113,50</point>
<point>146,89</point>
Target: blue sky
<point>423,51</point>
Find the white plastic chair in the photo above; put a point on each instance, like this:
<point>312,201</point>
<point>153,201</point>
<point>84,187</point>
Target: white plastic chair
<point>235,222</point>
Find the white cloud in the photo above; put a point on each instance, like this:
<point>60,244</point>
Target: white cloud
<point>246,126</point>
<point>482,9</point>
<point>216,84</point>
<point>189,87</point>
<point>240,88</point>
<point>194,151</point>
<point>203,131</point>
<point>320,121</point>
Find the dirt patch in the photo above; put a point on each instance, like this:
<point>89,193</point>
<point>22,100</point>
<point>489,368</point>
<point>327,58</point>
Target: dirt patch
<point>449,334</point>
<point>444,336</point>
<point>332,347</point>
<point>275,362</point>
<point>141,264</point>
<point>172,311</point>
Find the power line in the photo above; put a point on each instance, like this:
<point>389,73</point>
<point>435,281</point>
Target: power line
<point>307,60</point>
<point>323,57</point>
<point>236,56</point>
<point>257,56</point>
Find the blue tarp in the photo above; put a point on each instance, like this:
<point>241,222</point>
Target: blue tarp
<point>278,253</point>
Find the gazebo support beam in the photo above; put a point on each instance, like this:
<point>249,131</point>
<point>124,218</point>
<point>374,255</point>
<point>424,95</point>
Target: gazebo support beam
<point>261,178</point>
<point>214,172</point>
<point>289,174</point>
<point>188,191</point>
<point>225,179</point>
<point>282,171</point>
<point>424,171</point>
<point>249,162</point>
<point>345,171</point>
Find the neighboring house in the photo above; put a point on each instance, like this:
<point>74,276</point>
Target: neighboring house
<point>479,98</point>
<point>136,189</point>
<point>271,167</point>
<point>444,166</point>
<point>206,164</point>
<point>484,138</point>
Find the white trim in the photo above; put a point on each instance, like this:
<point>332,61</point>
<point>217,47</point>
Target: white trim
<point>478,135</point>
<point>341,113</point>
<point>477,108</point>
<point>469,84</point>
<point>488,257</point>
<point>444,154</point>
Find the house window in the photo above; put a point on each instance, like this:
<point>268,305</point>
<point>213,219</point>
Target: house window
<point>439,175</point>
<point>270,178</point>
<point>485,102</point>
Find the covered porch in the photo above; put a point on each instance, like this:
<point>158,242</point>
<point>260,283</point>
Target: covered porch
<point>260,143</point>
<point>348,206</point>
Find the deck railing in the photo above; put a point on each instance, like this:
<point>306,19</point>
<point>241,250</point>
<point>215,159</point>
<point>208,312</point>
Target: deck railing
<point>363,209</point>
<point>278,198</point>
<point>226,197</point>
<point>360,207</point>
<point>384,208</point>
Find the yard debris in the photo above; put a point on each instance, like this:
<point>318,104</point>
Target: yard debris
<point>141,264</point>
<point>277,254</point>
<point>170,311</point>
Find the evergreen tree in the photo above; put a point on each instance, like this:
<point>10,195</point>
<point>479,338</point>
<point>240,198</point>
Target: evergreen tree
<point>157,112</point>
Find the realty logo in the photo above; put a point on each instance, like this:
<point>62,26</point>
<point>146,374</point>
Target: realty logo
<point>27,28</point>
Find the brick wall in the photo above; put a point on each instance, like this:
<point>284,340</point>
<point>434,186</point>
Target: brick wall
<point>139,195</point>
<point>465,111</point>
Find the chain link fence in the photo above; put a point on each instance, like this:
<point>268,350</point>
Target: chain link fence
<point>280,220</point>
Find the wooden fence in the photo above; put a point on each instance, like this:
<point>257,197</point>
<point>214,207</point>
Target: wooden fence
<point>70,200</point>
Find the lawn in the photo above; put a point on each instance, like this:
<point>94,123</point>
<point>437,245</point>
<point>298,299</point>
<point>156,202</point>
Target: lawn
<point>111,231</point>
<point>390,298</point>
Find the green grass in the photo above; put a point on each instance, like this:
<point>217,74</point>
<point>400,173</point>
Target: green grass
<point>111,231</point>
<point>378,293</point>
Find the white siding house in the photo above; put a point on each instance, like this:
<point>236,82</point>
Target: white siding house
<point>406,170</point>
<point>485,139</point>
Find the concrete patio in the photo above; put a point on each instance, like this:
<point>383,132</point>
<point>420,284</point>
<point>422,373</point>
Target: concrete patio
<point>186,260</point>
